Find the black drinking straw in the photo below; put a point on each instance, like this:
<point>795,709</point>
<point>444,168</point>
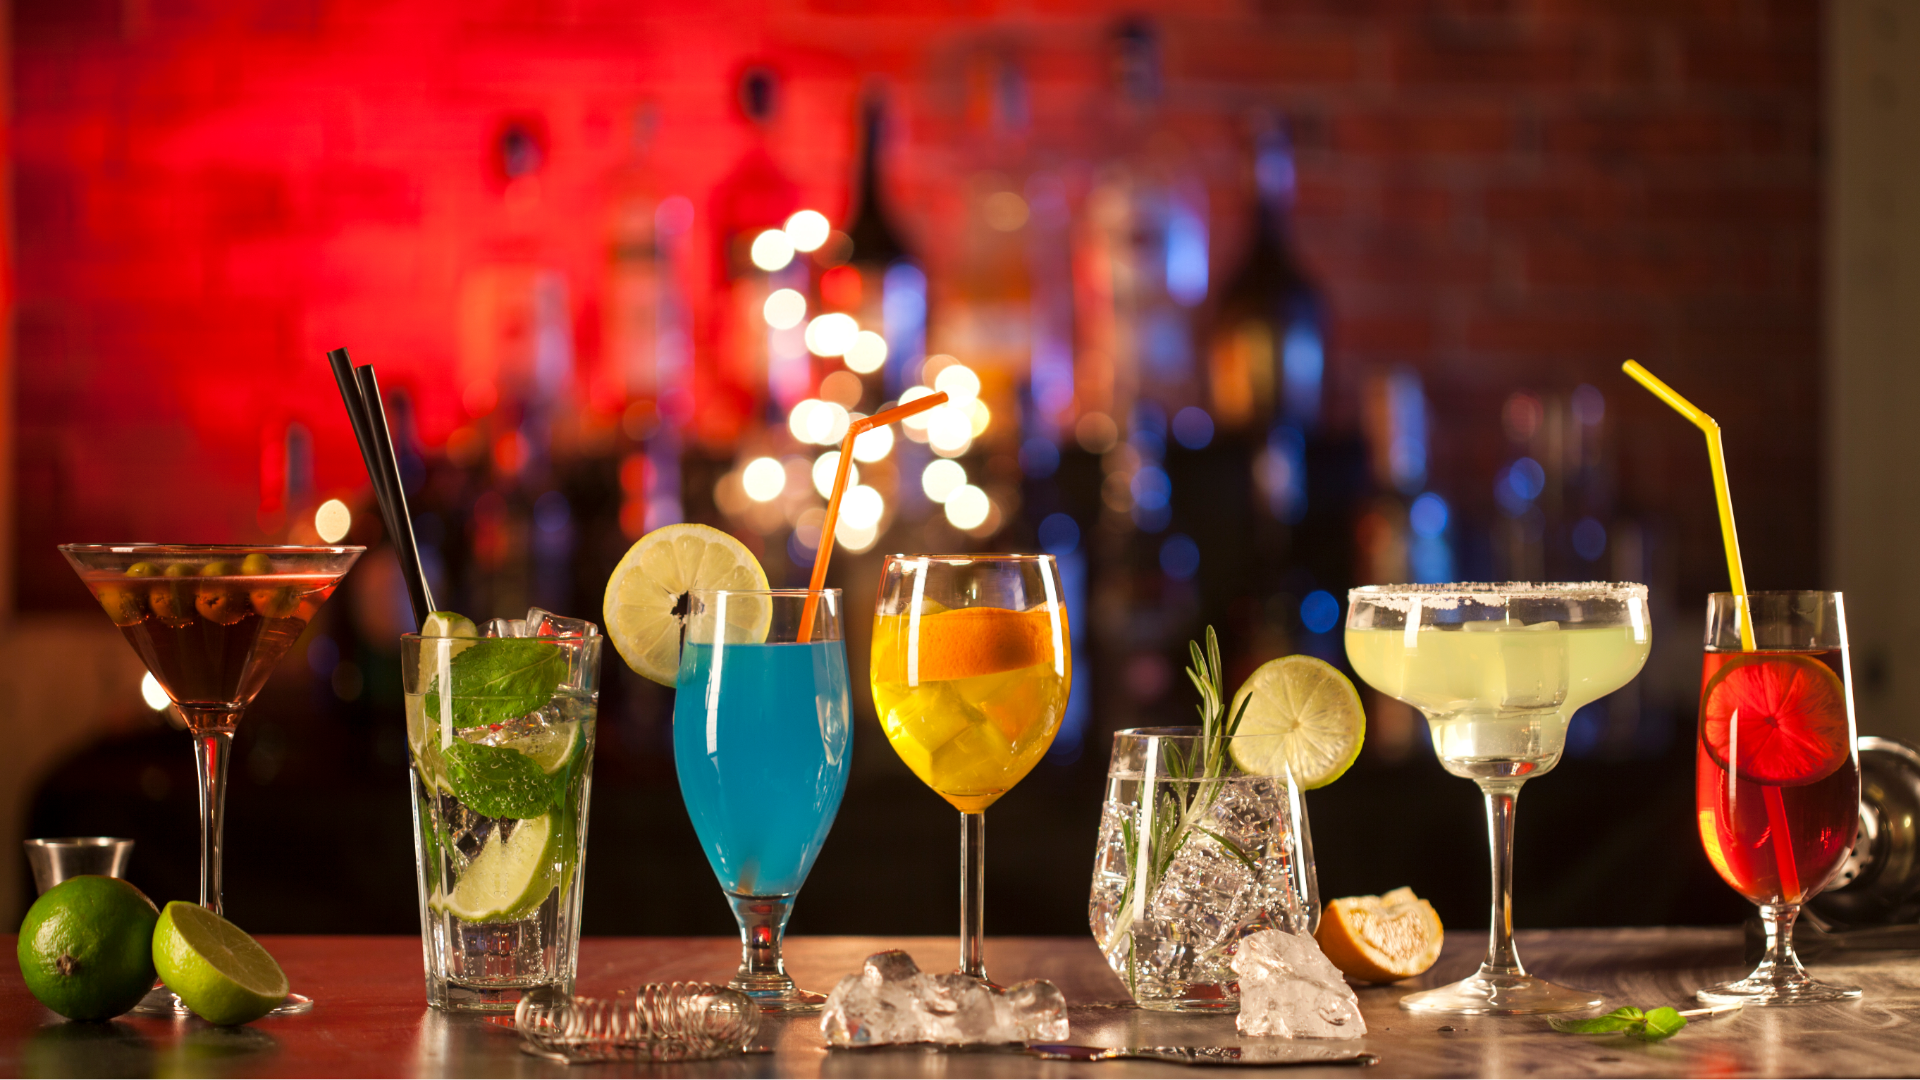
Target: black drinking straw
<point>360,392</point>
<point>362,427</point>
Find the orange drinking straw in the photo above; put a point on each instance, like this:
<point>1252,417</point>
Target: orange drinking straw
<point>1716,458</point>
<point>854,430</point>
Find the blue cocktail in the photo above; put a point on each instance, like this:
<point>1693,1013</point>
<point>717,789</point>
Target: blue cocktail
<point>762,741</point>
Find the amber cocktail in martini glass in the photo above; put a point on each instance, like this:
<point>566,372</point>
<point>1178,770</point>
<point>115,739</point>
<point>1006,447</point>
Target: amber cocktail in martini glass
<point>210,621</point>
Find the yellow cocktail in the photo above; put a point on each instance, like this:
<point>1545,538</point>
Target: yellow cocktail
<point>970,698</point>
<point>970,669</point>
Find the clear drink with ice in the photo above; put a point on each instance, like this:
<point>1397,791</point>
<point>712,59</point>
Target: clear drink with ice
<point>500,733</point>
<point>1186,865</point>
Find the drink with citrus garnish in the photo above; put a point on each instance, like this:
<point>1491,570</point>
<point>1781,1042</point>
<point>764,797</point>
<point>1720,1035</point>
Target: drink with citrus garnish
<point>501,733</point>
<point>1497,695</point>
<point>762,744</point>
<point>970,698</point>
<point>970,670</point>
<point>1776,775</point>
<point>1777,785</point>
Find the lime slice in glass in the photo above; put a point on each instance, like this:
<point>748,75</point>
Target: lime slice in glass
<point>509,878</point>
<point>1313,711</point>
<point>223,975</point>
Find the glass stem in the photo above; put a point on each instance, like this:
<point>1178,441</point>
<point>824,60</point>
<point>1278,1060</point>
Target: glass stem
<point>763,923</point>
<point>210,752</point>
<point>1778,963</point>
<point>973,888</point>
<point>1501,957</point>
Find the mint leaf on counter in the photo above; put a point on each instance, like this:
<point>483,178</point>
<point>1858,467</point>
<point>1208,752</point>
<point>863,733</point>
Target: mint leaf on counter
<point>1661,1023</point>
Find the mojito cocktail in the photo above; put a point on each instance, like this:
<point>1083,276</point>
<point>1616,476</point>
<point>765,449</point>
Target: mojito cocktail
<point>501,734</point>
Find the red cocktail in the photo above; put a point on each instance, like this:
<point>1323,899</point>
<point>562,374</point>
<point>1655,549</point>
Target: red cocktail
<point>1776,783</point>
<point>1776,778</point>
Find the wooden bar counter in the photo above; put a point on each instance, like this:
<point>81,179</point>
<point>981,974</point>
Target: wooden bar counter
<point>371,1018</point>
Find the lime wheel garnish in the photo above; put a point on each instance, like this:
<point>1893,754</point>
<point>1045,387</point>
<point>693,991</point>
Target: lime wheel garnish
<point>1791,718</point>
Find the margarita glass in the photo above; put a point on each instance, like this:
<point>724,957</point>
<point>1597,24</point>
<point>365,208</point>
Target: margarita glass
<point>1499,670</point>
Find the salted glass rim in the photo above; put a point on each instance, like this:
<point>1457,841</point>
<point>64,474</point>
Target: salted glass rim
<point>1493,593</point>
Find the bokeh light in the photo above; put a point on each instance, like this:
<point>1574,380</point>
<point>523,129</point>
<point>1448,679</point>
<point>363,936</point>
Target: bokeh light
<point>942,478</point>
<point>873,444</point>
<point>868,353</point>
<point>332,521</point>
<point>784,309</point>
<point>967,507</point>
<point>151,692</point>
<point>772,250</point>
<point>959,383</point>
<point>764,478</point>
<point>949,431</point>
<point>831,334</point>
<point>825,466</point>
<point>807,229</point>
<point>862,506</point>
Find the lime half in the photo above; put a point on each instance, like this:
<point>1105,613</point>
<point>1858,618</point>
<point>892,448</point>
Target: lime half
<point>509,878</point>
<point>223,975</point>
<point>1312,708</point>
<point>645,606</point>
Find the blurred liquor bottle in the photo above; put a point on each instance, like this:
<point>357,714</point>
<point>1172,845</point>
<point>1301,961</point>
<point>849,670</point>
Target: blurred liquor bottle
<point>645,360</point>
<point>1267,367</point>
<point>874,274</point>
<point>755,365</point>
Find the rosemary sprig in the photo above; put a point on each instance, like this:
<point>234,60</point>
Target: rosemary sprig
<point>1173,808</point>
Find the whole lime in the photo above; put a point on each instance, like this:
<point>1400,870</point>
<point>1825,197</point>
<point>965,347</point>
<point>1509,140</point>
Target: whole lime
<point>86,947</point>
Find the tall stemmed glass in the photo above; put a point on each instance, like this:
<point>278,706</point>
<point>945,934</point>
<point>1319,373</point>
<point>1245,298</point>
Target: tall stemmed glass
<point>1777,775</point>
<point>762,743</point>
<point>1498,671</point>
<point>970,673</point>
<point>210,621</point>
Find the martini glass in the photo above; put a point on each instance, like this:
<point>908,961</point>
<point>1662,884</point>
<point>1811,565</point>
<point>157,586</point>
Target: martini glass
<point>210,621</point>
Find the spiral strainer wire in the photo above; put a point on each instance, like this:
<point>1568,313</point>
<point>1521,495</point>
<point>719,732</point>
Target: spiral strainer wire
<point>658,1022</point>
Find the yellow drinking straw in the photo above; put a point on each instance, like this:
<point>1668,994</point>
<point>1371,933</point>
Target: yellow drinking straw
<point>1716,457</point>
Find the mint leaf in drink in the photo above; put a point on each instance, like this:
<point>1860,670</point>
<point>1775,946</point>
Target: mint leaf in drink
<point>1661,1023</point>
<point>498,781</point>
<point>498,679</point>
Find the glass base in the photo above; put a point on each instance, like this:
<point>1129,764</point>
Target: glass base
<point>1493,994</point>
<point>776,993</point>
<point>451,996</point>
<point>161,1001</point>
<point>1794,989</point>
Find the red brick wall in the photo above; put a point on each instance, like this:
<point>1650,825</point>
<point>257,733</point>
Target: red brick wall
<point>1500,194</point>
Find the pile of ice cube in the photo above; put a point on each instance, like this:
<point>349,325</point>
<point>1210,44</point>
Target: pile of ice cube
<point>540,623</point>
<point>1289,988</point>
<point>893,1001</point>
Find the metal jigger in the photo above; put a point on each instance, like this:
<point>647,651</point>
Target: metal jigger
<point>58,858</point>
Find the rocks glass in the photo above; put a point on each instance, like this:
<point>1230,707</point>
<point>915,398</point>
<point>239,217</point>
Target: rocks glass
<point>1188,863</point>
